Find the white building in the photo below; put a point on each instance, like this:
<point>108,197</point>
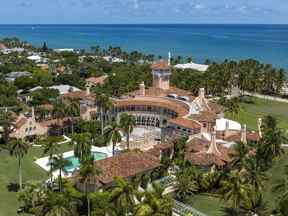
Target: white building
<point>191,65</point>
<point>113,59</point>
<point>11,77</point>
<point>11,50</point>
<point>63,89</point>
<point>63,50</point>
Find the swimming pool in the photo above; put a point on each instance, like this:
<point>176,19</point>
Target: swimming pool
<point>75,163</point>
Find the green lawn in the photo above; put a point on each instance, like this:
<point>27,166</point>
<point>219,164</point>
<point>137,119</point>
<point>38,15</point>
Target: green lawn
<point>8,174</point>
<point>250,112</point>
<point>212,206</point>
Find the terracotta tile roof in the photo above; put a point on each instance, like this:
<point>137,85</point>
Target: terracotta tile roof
<point>157,92</point>
<point>126,165</point>
<point>20,121</point>
<point>51,122</point>
<point>160,65</point>
<point>78,95</point>
<point>205,116</point>
<point>97,80</point>
<point>196,153</point>
<point>46,107</point>
<point>2,46</point>
<point>187,123</point>
<point>204,159</point>
<point>197,145</point>
<point>217,108</point>
<point>236,137</point>
<point>177,106</point>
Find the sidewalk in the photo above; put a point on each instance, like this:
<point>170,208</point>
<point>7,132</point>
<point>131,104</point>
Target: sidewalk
<point>266,97</point>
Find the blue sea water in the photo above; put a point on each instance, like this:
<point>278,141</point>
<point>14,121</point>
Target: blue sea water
<point>266,43</point>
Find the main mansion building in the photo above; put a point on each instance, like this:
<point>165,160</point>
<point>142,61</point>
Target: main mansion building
<point>160,107</point>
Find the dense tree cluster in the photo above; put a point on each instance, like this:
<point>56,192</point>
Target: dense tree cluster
<point>220,78</point>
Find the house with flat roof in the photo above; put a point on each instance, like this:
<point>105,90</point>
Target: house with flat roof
<point>11,77</point>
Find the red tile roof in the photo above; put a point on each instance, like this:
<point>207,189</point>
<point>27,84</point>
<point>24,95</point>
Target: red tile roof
<point>126,165</point>
<point>205,116</point>
<point>20,122</point>
<point>161,65</point>
<point>51,122</point>
<point>236,137</point>
<point>78,95</point>
<point>157,92</point>
<point>177,106</point>
<point>187,123</point>
<point>97,80</point>
<point>196,153</point>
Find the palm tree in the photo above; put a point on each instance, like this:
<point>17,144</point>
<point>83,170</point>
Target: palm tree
<point>127,123</point>
<point>153,202</point>
<point>122,195</point>
<point>32,196</point>
<point>58,111</point>
<point>281,187</point>
<point>112,134</point>
<point>6,121</point>
<point>101,205</point>
<point>51,148</point>
<point>186,183</point>
<point>255,205</point>
<point>73,110</point>
<point>87,172</point>
<point>82,146</point>
<point>104,103</point>
<point>56,204</point>
<point>19,148</point>
<point>235,189</point>
<point>255,176</point>
<point>239,155</point>
<point>59,163</point>
<point>270,145</point>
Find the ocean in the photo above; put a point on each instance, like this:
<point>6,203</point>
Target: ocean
<point>266,43</point>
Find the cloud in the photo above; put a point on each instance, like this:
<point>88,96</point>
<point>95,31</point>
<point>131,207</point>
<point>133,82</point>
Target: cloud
<point>86,3</point>
<point>136,4</point>
<point>25,4</point>
<point>199,6</point>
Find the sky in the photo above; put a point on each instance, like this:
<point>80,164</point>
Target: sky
<point>143,11</point>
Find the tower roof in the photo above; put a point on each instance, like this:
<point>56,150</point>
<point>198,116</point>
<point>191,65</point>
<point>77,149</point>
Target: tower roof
<point>160,65</point>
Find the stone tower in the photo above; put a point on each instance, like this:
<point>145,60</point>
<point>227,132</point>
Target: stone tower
<point>161,72</point>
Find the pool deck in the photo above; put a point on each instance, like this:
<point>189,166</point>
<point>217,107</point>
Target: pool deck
<point>43,162</point>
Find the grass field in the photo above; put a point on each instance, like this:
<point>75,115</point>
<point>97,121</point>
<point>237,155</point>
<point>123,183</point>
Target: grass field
<point>254,108</point>
<point>9,174</point>
<point>211,206</point>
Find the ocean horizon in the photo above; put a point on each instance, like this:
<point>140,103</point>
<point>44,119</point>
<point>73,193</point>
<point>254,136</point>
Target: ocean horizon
<point>267,43</point>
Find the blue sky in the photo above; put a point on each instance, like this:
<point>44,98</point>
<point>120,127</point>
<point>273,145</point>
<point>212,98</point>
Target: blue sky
<point>143,11</point>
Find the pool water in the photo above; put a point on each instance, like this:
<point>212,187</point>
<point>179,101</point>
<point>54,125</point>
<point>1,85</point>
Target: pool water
<point>75,163</point>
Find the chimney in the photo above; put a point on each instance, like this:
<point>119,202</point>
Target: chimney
<point>202,92</point>
<point>227,126</point>
<point>87,90</point>
<point>213,149</point>
<point>259,125</point>
<point>160,155</point>
<point>142,89</point>
<point>33,113</point>
<point>244,134</point>
<point>169,58</point>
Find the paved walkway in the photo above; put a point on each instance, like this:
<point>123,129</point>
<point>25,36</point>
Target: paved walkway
<point>266,97</point>
<point>67,140</point>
